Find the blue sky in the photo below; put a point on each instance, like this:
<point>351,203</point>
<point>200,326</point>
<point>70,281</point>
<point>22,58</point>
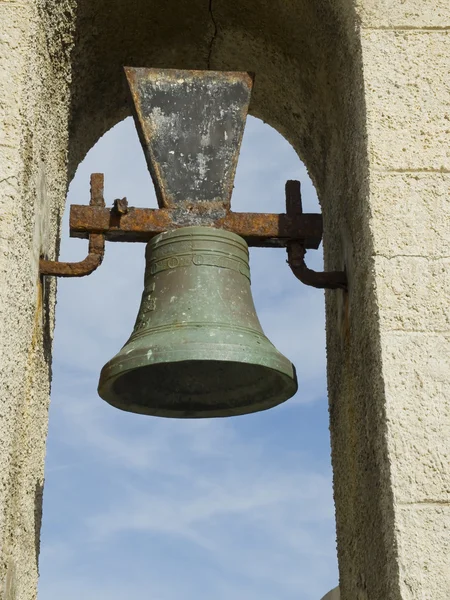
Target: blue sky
<point>160,509</point>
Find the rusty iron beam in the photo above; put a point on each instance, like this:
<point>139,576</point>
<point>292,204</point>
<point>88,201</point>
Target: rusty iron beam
<point>96,248</point>
<point>141,224</point>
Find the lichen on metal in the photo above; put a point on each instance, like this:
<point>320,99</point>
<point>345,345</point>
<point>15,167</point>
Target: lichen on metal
<point>190,124</point>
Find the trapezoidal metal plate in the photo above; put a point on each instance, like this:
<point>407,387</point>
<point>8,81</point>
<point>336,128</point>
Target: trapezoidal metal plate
<point>190,124</point>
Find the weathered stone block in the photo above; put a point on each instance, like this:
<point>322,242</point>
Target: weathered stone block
<point>413,293</point>
<point>407,99</point>
<point>382,14</point>
<point>411,214</point>
<point>424,548</point>
<point>416,370</point>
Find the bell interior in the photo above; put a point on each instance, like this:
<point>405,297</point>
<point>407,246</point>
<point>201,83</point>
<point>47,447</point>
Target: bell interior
<point>201,388</point>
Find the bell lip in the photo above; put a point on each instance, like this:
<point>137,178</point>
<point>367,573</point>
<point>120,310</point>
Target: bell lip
<point>287,390</point>
<point>137,358</point>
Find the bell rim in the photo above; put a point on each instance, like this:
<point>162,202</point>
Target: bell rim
<point>286,391</point>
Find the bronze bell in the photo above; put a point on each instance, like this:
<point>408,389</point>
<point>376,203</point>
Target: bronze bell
<point>197,348</point>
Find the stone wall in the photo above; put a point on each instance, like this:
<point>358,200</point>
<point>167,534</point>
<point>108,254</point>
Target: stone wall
<point>406,50</point>
<point>33,149</point>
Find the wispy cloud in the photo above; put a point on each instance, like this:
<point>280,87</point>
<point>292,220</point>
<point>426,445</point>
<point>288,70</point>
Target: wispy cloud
<point>224,497</point>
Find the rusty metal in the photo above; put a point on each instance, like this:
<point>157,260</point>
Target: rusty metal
<point>96,248</point>
<point>141,224</point>
<point>296,250</point>
<point>120,206</point>
<point>331,280</point>
<point>190,124</point>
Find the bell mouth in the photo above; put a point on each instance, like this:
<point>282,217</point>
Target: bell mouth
<point>198,389</point>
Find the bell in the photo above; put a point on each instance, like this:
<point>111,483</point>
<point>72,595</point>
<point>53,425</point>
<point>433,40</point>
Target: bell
<point>197,348</point>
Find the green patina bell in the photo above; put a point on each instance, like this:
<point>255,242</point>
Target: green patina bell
<point>197,348</point>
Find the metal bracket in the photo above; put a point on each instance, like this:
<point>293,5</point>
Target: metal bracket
<point>296,250</point>
<point>183,119</point>
<point>295,230</point>
<point>96,249</point>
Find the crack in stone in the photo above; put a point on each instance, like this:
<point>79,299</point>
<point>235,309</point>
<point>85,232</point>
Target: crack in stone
<point>394,256</point>
<point>5,179</point>
<point>425,502</point>
<point>214,36</point>
<point>412,28</point>
<point>418,170</point>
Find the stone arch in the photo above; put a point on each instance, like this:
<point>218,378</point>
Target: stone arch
<point>327,70</point>
<point>306,57</point>
<point>307,61</point>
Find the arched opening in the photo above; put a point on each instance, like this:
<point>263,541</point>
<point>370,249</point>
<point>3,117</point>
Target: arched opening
<point>136,506</point>
<point>306,57</point>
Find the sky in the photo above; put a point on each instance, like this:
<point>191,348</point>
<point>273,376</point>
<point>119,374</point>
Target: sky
<point>164,509</point>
